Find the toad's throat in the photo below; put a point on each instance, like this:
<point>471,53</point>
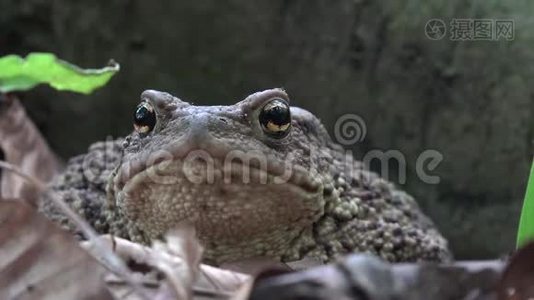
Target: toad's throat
<point>226,202</point>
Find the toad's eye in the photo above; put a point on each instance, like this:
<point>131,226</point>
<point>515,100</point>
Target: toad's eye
<point>144,118</point>
<point>275,118</point>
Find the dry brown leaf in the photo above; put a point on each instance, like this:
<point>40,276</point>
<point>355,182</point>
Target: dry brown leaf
<point>216,283</point>
<point>261,268</point>
<point>171,270</point>
<point>257,268</point>
<point>24,147</point>
<point>517,281</point>
<point>182,242</point>
<point>254,266</point>
<point>178,258</point>
<point>40,261</point>
<point>361,276</point>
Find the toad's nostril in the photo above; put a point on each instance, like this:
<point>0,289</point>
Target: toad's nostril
<point>223,119</point>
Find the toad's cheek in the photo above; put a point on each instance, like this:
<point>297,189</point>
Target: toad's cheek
<point>230,209</point>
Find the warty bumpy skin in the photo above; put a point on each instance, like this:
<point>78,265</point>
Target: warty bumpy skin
<point>250,185</point>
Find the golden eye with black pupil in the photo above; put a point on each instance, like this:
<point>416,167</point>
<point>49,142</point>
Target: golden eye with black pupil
<point>144,118</point>
<point>275,118</point>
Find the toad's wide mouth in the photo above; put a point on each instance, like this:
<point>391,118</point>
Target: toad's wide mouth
<point>225,199</point>
<point>201,166</point>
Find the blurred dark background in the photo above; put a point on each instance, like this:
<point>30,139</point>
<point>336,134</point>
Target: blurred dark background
<point>470,100</point>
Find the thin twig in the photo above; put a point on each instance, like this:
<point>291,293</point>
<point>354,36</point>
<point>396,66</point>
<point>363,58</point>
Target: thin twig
<point>30,179</point>
<point>112,262</point>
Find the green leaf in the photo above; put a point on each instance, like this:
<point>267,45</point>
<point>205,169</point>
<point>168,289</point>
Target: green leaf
<point>525,232</point>
<point>18,74</point>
